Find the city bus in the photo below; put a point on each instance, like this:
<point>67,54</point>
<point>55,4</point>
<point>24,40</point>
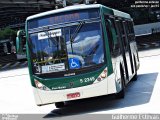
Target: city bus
<point>21,45</point>
<point>80,51</point>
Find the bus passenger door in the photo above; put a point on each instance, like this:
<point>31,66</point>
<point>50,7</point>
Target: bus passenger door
<point>130,58</point>
<point>125,48</point>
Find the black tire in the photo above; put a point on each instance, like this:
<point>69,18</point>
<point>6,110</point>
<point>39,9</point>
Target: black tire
<point>135,67</point>
<point>121,94</point>
<point>59,104</point>
<point>135,77</point>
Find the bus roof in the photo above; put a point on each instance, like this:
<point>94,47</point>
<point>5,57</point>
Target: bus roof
<point>121,14</point>
<point>78,7</point>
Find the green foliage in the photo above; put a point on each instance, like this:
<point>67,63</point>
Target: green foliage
<point>7,33</point>
<point>1,34</point>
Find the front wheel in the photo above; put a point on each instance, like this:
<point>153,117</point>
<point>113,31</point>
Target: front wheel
<point>135,67</point>
<point>59,104</point>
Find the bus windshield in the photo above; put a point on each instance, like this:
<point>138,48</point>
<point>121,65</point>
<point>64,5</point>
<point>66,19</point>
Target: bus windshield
<point>69,48</point>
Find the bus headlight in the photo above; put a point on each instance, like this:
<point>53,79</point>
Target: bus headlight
<point>102,76</point>
<point>39,85</point>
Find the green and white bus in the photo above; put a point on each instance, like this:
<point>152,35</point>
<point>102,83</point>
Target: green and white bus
<point>80,51</point>
<point>21,45</point>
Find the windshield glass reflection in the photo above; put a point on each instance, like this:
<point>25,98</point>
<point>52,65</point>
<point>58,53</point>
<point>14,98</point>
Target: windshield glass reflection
<point>62,49</point>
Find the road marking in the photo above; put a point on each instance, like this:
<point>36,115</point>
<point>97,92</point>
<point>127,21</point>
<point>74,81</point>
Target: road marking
<point>24,64</point>
<point>15,64</point>
<point>6,65</point>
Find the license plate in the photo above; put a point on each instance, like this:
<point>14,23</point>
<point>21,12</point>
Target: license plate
<point>73,95</point>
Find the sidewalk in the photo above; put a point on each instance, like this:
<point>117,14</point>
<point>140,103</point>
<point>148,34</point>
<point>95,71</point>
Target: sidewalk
<point>149,53</point>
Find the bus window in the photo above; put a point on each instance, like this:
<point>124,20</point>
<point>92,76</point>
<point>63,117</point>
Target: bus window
<point>131,30</point>
<point>85,44</point>
<point>109,35</point>
<point>131,26</point>
<point>112,37</point>
<point>125,35</point>
<point>122,33</point>
<point>116,46</point>
<point>113,24</point>
<point>121,27</point>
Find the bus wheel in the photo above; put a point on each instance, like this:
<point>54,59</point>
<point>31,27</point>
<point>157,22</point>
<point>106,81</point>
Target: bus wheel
<point>135,67</point>
<point>59,104</point>
<point>121,94</point>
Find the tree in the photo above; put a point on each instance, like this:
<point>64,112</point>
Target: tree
<point>7,33</point>
<point>1,34</point>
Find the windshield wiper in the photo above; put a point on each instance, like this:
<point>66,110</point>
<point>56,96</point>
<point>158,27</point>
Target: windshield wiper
<point>77,31</point>
<point>78,28</point>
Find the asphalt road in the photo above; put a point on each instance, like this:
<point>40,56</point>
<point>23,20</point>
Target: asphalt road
<point>142,96</point>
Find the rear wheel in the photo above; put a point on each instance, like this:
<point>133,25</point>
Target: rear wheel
<point>121,94</point>
<point>135,67</point>
<point>59,104</point>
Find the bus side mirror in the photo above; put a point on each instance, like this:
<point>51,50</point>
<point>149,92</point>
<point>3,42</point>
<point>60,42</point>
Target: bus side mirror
<point>17,45</point>
<point>20,42</point>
